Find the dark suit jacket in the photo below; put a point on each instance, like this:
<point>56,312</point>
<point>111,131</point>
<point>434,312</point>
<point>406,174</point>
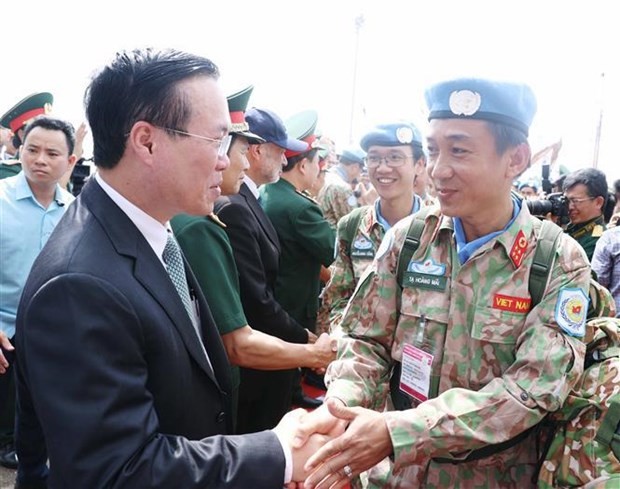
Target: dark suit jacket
<point>266,394</point>
<point>110,365</point>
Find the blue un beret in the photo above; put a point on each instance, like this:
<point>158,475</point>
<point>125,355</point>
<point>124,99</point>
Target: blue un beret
<point>393,134</point>
<point>352,155</point>
<point>513,104</point>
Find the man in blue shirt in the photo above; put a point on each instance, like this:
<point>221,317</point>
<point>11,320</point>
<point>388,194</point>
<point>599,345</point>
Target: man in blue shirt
<point>31,204</point>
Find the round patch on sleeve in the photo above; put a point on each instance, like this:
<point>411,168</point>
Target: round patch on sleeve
<point>386,244</point>
<point>571,311</point>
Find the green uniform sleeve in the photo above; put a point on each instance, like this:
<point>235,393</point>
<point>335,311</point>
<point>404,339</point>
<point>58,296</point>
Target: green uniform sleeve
<point>210,256</point>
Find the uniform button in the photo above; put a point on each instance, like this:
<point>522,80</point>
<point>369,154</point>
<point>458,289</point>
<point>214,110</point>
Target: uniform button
<point>221,417</point>
<point>524,396</point>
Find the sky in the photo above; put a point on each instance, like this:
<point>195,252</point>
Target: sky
<point>313,55</point>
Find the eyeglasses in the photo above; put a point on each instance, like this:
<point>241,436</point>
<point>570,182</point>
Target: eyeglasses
<point>393,160</point>
<point>224,143</point>
<point>575,201</point>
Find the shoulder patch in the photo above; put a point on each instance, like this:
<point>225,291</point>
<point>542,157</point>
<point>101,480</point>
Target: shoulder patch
<point>597,231</point>
<point>571,310</point>
<point>386,244</point>
<point>216,220</point>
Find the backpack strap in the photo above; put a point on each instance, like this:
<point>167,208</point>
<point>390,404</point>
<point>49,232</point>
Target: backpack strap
<point>544,257</point>
<point>412,242</point>
<point>353,222</point>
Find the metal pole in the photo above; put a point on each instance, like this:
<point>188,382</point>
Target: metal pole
<point>597,140</point>
<point>359,22</point>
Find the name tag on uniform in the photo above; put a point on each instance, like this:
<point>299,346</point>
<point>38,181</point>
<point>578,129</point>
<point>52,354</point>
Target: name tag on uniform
<point>415,375</point>
<point>424,281</point>
<point>363,248</point>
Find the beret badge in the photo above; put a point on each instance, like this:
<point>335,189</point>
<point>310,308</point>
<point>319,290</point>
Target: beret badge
<point>464,102</point>
<point>404,135</point>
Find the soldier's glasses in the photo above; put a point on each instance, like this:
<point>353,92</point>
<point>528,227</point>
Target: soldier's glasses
<point>392,160</point>
<point>224,143</point>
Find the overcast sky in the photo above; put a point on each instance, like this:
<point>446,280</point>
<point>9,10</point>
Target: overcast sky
<point>301,55</point>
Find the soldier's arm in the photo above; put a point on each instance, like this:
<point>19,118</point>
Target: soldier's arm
<point>341,284</point>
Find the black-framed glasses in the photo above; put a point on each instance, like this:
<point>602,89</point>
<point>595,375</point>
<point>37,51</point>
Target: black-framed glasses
<point>575,201</point>
<point>224,143</point>
<point>393,160</point>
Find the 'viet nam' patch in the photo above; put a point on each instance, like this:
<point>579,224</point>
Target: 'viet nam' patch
<point>428,267</point>
<point>571,311</point>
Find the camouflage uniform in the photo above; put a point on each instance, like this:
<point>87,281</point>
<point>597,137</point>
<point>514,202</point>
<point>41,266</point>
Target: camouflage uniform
<point>352,260</point>
<point>496,370</point>
<point>336,197</point>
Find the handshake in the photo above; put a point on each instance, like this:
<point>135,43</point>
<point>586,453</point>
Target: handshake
<point>333,444</point>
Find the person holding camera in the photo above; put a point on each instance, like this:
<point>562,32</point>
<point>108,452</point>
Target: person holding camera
<point>585,191</point>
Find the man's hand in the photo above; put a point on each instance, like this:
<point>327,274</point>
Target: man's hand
<point>5,344</point>
<point>311,336</point>
<point>364,444</point>
<point>319,421</point>
<point>285,430</point>
<point>322,353</point>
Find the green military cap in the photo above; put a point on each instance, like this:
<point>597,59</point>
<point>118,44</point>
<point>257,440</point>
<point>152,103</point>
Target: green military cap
<point>237,103</point>
<point>27,109</point>
<point>302,126</point>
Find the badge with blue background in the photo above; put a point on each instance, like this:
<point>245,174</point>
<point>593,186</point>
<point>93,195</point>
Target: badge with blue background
<point>425,274</point>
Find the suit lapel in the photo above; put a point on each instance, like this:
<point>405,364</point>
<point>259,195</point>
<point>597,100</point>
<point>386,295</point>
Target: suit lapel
<point>260,215</point>
<point>148,269</point>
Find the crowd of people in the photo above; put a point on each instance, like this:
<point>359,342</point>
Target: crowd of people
<point>158,322</point>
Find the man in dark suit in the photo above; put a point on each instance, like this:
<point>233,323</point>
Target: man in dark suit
<point>118,360</point>
<point>263,396</point>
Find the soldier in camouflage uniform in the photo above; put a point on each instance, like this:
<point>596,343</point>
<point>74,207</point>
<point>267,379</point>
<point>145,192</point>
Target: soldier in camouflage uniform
<point>477,363</point>
<point>395,161</point>
<point>336,197</point>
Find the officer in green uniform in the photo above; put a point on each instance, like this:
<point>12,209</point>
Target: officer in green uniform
<point>586,193</point>
<point>306,238</point>
<point>207,248</point>
<point>16,119</point>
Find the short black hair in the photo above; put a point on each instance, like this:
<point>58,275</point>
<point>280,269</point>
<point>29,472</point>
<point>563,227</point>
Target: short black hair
<point>53,124</point>
<point>593,179</point>
<point>139,85</point>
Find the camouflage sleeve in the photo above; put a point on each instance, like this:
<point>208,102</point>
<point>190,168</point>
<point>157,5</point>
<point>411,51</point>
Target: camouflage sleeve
<point>547,365</point>
<point>360,374</point>
<point>340,287</point>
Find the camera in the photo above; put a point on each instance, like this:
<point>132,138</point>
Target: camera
<point>79,175</point>
<point>555,203</point>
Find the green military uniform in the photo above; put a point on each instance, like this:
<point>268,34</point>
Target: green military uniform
<point>497,367</point>
<point>9,168</point>
<point>207,249</point>
<point>587,233</point>
<point>307,242</point>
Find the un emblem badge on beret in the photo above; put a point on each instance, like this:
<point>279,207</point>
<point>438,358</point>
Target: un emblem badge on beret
<point>404,135</point>
<point>464,102</point>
